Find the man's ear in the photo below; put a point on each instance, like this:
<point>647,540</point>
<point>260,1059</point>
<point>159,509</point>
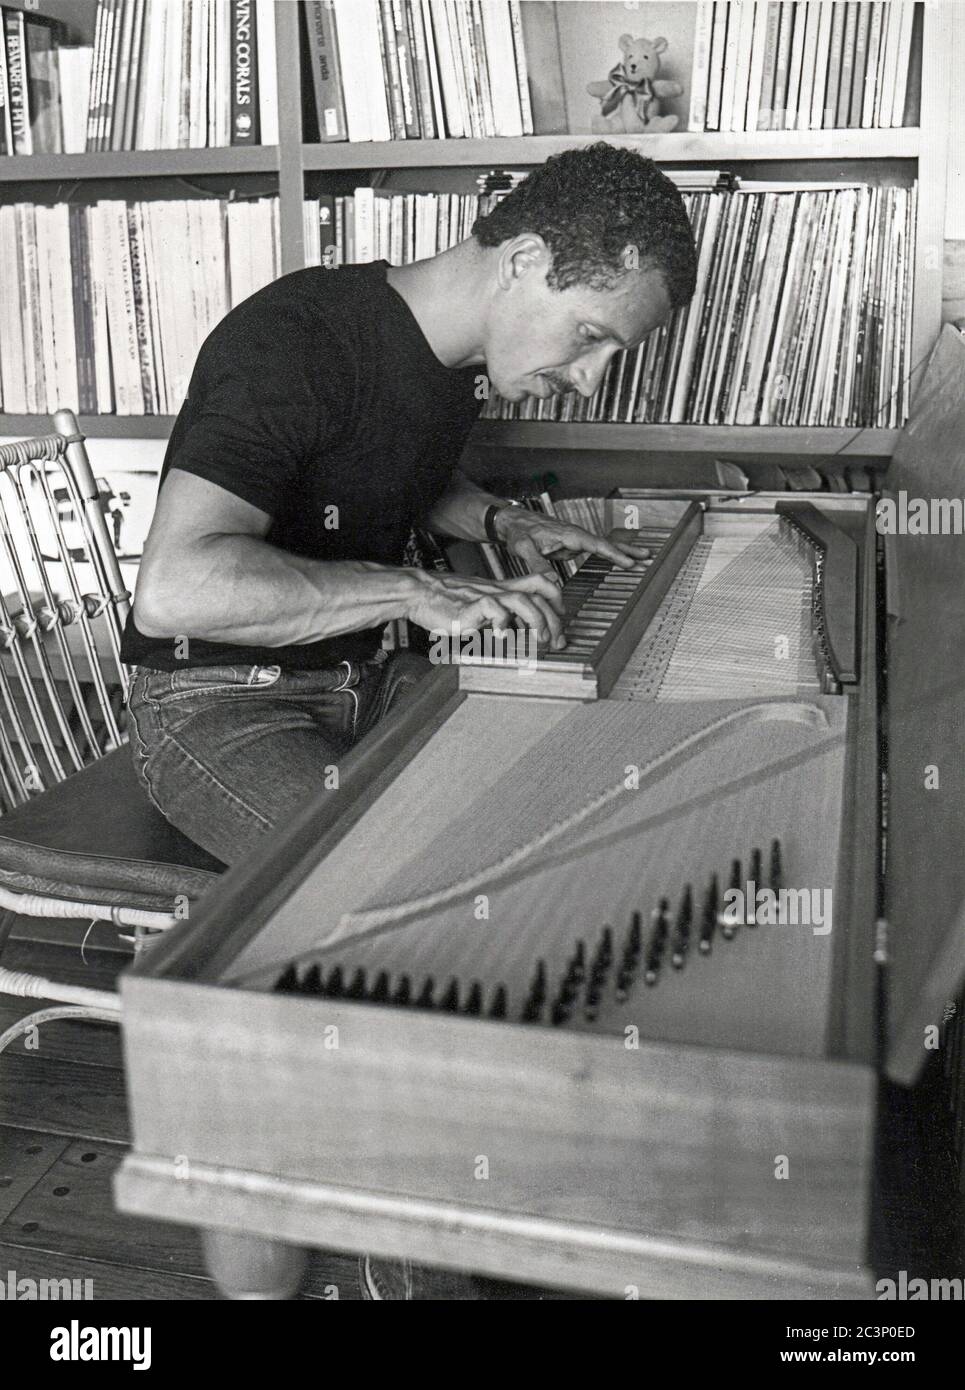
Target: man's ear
<point>520,254</point>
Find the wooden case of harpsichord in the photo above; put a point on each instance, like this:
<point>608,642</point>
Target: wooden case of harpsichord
<point>576,977</point>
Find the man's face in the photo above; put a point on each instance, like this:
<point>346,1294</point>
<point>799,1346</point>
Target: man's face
<point>542,341</point>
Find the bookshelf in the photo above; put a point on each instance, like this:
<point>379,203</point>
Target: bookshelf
<point>900,153</point>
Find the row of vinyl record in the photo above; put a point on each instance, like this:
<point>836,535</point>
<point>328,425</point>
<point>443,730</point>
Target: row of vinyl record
<point>801,316</point>
<point>103,308</point>
<point>800,66</point>
<point>160,74</point>
<point>374,224</point>
<point>445,68</point>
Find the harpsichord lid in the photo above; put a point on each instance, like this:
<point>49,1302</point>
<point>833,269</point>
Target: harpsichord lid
<point>925,550</point>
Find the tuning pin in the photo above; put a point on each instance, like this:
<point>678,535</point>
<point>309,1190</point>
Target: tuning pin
<point>576,970</point>
<point>403,991</point>
<point>709,921</point>
<point>658,941</point>
<point>755,875</point>
<point>311,982</point>
<point>777,869</point>
<point>498,1007</point>
<point>287,982</point>
<point>604,954</point>
<point>450,1000</point>
<point>356,989</point>
<point>380,990</point>
<point>474,1001</point>
<point>729,918</point>
<point>685,915</point>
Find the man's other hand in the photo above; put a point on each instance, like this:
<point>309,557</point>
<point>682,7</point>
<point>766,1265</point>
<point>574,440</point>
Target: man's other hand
<point>537,539</point>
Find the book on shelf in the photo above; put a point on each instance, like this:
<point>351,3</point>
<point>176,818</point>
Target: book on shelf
<point>107,304</point>
<point>801,316</point>
<point>30,95</point>
<point>164,74</point>
<point>417,69</point>
<point>796,64</point>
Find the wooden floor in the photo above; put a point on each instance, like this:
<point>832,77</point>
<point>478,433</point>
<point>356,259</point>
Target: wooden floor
<point>63,1132</point>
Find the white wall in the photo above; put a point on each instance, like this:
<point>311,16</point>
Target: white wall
<point>955,195</point>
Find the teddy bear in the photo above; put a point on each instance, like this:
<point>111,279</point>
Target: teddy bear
<point>631,93</point>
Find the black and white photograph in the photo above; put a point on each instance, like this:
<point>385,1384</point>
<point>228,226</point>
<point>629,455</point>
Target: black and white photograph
<point>482,667</point>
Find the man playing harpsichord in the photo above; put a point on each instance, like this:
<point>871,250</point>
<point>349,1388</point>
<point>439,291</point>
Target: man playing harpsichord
<point>325,417</point>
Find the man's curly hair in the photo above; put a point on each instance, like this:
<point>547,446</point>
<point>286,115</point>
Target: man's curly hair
<point>592,206</point>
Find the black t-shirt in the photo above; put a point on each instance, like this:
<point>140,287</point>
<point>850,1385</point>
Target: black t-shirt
<point>319,392</point>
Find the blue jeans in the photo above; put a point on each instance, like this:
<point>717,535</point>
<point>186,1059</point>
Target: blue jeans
<point>226,753</point>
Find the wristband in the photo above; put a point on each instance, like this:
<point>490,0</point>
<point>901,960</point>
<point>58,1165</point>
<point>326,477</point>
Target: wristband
<point>488,523</point>
<point>489,520</point>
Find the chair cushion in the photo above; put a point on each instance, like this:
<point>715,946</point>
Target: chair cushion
<point>96,837</point>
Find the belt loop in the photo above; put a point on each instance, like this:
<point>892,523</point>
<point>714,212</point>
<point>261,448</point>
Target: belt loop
<point>348,677</point>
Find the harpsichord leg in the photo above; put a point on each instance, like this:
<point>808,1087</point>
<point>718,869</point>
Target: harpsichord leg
<point>253,1267</point>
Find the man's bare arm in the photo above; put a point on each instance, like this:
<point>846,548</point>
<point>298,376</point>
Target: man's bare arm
<point>209,573</point>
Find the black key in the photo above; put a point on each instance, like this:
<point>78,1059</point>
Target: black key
<point>450,1000</point>
<point>776,876</point>
<point>334,985</point>
<point>403,991</point>
<point>380,990</point>
<point>425,999</point>
<point>474,1001</point>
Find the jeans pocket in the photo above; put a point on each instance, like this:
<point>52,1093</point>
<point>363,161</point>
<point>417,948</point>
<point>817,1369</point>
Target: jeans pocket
<point>194,680</point>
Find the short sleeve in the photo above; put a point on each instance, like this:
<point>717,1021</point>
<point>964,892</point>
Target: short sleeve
<point>254,413</point>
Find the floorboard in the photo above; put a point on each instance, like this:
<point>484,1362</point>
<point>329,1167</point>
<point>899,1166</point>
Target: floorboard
<point>58,1097</point>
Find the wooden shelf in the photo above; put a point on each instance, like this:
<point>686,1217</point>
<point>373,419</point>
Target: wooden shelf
<point>93,426</point>
<point>557,435</point>
<point>711,148</point>
<point>692,439</point>
<point>138,164</point>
